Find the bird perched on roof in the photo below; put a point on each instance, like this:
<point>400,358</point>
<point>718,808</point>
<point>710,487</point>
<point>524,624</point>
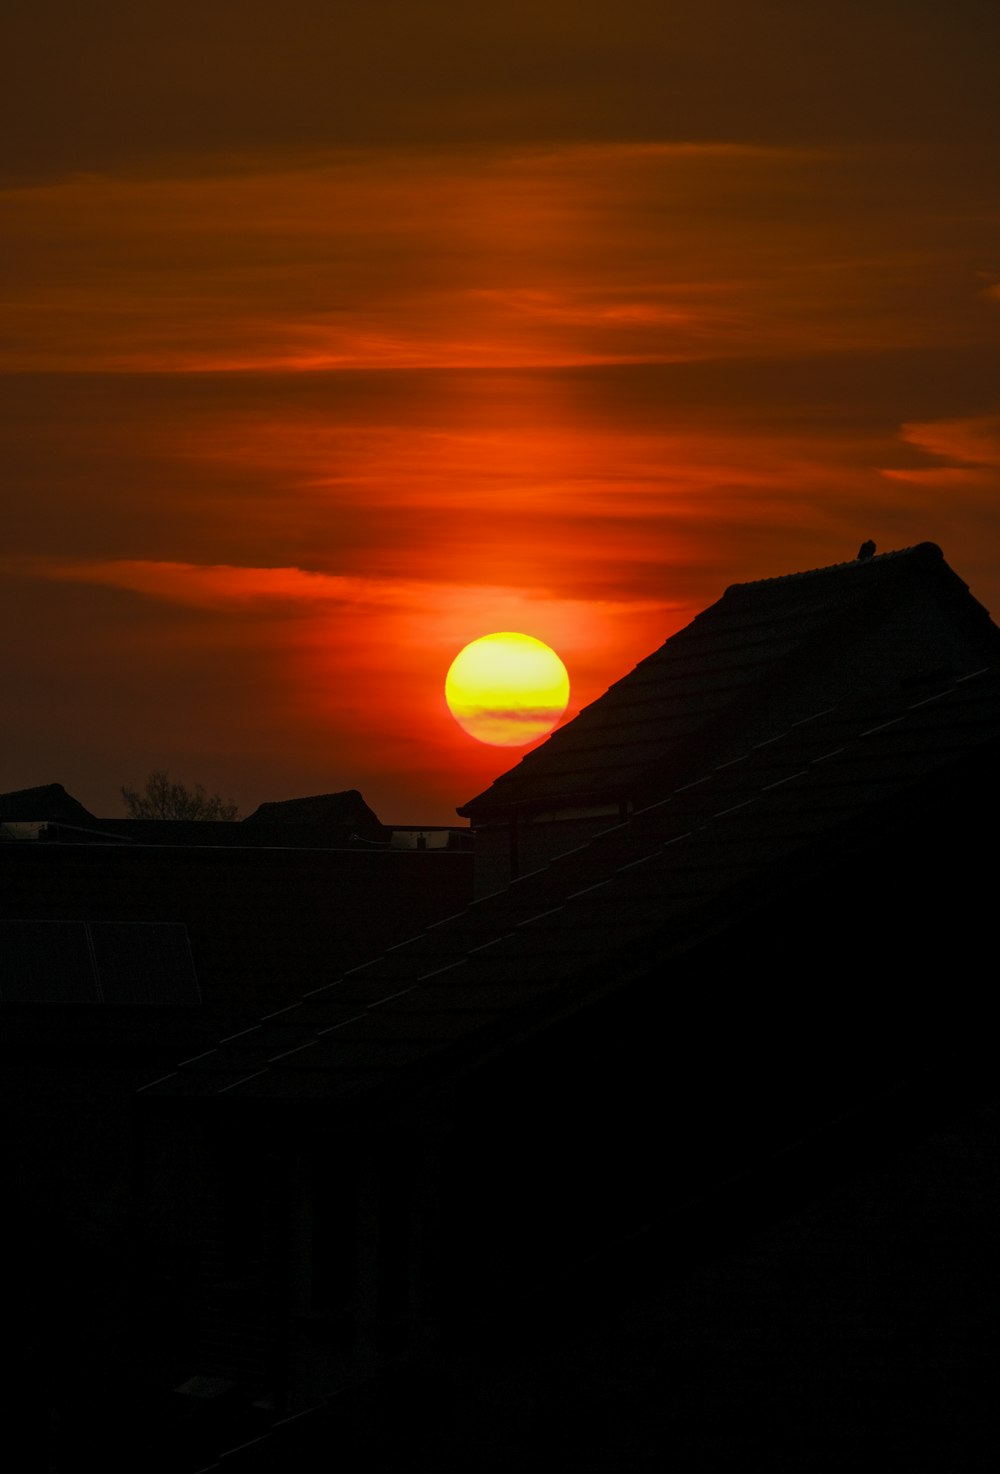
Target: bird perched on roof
<point>866,550</point>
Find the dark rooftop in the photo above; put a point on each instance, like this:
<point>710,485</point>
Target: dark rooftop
<point>348,808</point>
<point>780,645</point>
<point>322,821</point>
<point>836,784</point>
<point>50,803</point>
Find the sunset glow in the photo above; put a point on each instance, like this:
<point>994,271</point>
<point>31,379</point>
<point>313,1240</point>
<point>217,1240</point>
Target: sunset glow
<point>332,335</point>
<point>507,689</point>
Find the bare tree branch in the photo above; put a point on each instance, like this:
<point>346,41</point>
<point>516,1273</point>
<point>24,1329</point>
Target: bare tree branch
<point>161,799</point>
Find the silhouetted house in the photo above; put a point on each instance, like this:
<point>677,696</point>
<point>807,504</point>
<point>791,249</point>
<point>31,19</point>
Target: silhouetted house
<point>27,813</point>
<point>765,655</point>
<point>124,946</point>
<point>327,818</point>
<point>727,964</point>
<point>322,821</point>
<point>239,915</point>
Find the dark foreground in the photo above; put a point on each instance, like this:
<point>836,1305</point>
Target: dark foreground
<point>859,1327</point>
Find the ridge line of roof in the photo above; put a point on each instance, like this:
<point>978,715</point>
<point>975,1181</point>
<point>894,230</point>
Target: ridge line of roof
<point>924,548</point>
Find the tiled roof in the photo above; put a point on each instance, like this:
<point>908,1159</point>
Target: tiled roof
<point>641,892</point>
<point>328,818</point>
<point>347,807</point>
<point>776,640</point>
<point>49,802</point>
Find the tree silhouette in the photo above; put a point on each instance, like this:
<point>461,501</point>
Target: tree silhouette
<point>161,799</point>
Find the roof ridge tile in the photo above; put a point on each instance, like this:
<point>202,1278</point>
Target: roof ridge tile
<point>924,548</point>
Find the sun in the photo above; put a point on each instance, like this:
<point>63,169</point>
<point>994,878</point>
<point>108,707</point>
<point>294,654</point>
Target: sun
<point>507,689</point>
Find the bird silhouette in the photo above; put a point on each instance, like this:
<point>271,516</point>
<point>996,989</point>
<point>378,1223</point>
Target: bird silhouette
<point>866,550</point>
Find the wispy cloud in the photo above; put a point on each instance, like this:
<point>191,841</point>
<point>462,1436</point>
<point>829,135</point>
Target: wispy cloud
<point>970,446</point>
<point>204,586</point>
<point>974,440</point>
<point>573,255</point>
<point>449,614</point>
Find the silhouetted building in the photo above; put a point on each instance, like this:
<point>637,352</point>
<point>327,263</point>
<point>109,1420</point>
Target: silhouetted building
<point>125,946</point>
<point>28,813</point>
<point>238,915</point>
<point>765,655</point>
<point>321,821</point>
<point>340,818</point>
<point>704,990</point>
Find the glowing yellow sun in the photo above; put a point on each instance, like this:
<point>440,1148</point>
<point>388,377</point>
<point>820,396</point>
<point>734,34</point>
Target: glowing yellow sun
<point>507,689</point>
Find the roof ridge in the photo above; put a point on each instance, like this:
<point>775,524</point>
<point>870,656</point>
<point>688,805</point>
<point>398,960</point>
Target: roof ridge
<point>739,650</point>
<point>925,549</point>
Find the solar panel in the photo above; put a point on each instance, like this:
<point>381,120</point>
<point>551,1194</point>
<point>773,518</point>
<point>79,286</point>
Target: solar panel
<point>95,962</point>
<point>148,962</point>
<point>46,962</point>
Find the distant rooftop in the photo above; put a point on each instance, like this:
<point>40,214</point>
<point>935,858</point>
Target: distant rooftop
<point>49,803</point>
<point>319,808</point>
<point>320,821</point>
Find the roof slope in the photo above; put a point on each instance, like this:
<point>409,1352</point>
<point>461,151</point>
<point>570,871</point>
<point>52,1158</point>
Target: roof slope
<point>783,645</point>
<point>321,808</point>
<point>330,815</point>
<point>49,802</point>
<point>646,890</point>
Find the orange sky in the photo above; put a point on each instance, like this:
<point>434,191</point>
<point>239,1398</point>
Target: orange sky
<point>334,337</point>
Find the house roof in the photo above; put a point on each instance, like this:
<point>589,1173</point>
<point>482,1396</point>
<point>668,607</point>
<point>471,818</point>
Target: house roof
<point>50,802</point>
<point>655,887</point>
<point>790,644</point>
<point>328,820</point>
<point>320,808</point>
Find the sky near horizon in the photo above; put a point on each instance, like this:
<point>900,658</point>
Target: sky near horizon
<point>336,335</point>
